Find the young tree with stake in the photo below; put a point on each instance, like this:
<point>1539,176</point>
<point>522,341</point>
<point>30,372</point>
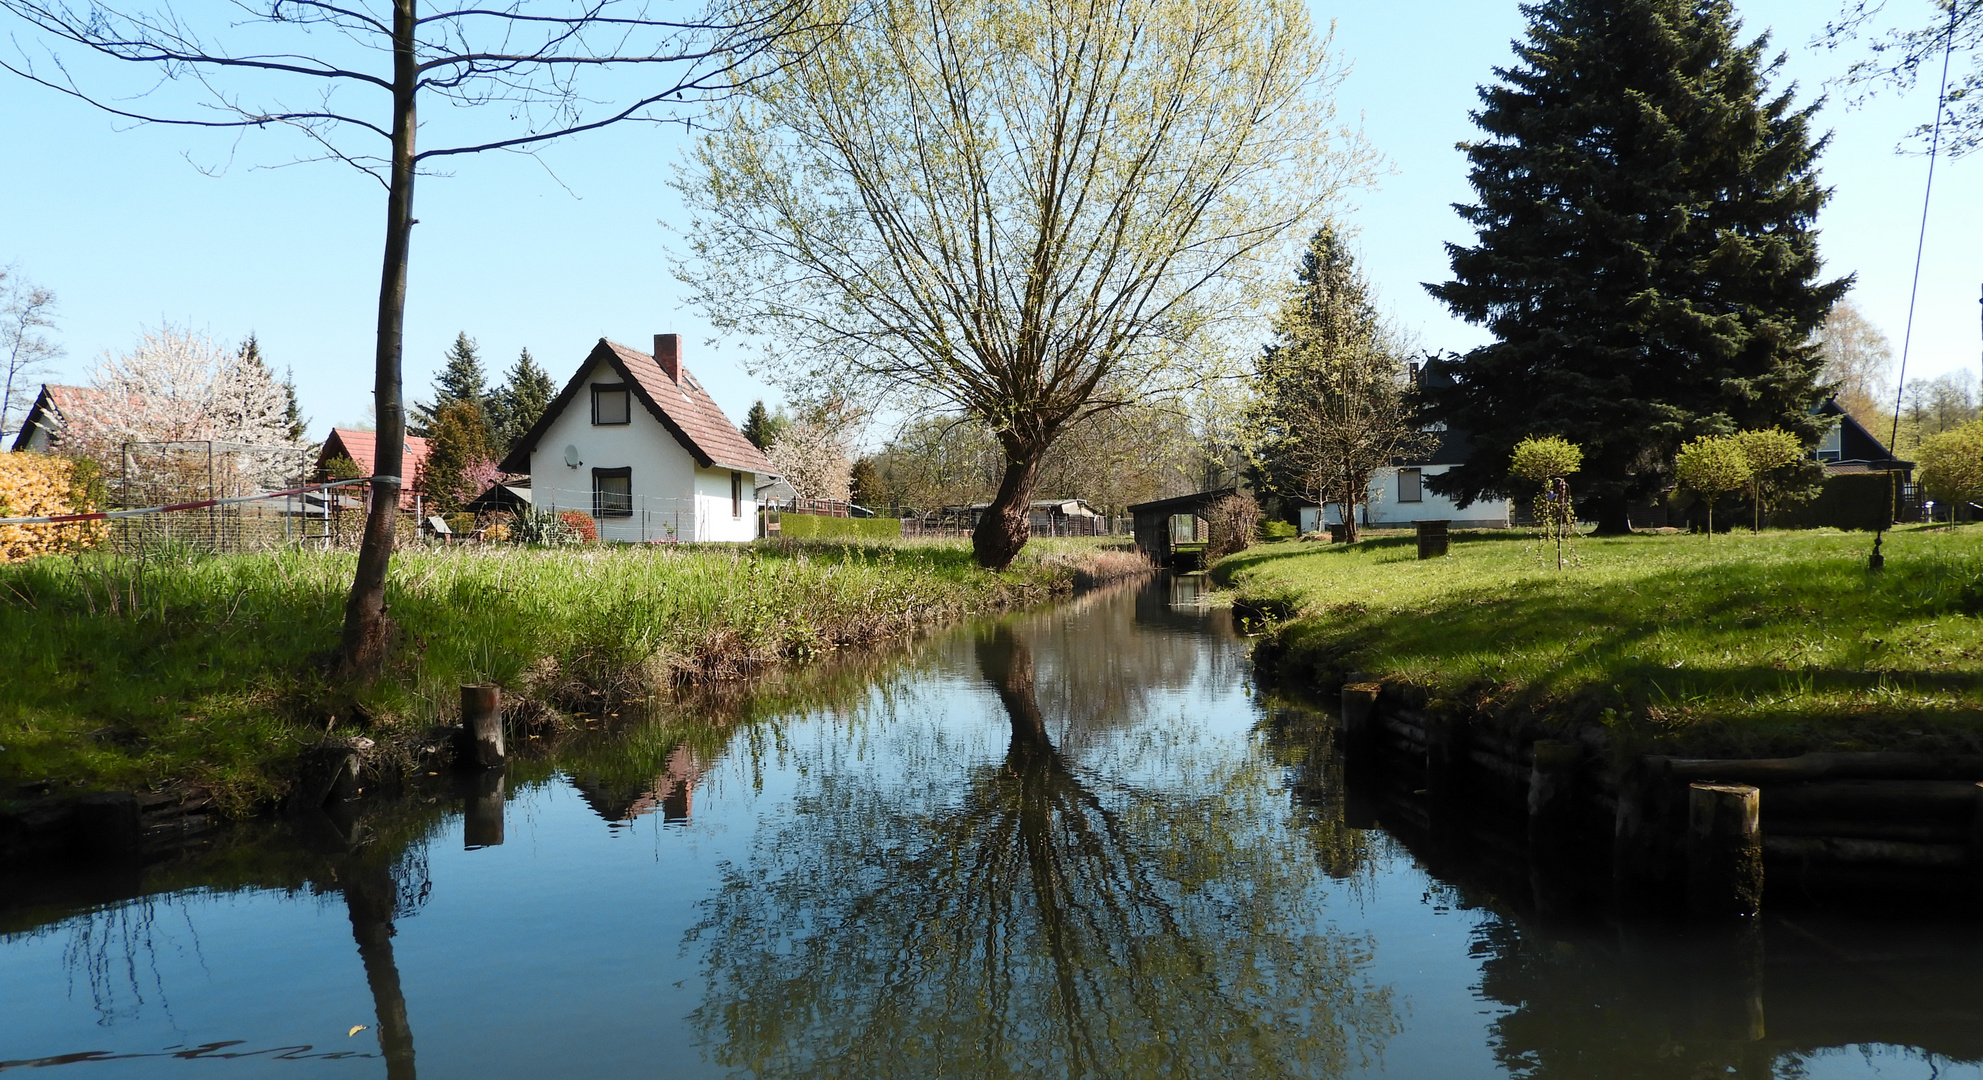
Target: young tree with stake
<point>519,76</point>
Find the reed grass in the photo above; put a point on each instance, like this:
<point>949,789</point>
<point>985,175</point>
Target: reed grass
<point>130,672</point>
<point>1770,643</point>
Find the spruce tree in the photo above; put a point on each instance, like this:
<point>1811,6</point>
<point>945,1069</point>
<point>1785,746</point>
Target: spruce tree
<point>292,413</point>
<point>461,381</point>
<point>1646,254</point>
<point>516,405</point>
<point>762,426</point>
<point>1333,407</point>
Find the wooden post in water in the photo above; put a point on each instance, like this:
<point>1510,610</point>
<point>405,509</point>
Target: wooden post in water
<point>1360,721</point>
<point>1724,850</point>
<point>1552,797</point>
<point>1976,842</point>
<point>482,725</point>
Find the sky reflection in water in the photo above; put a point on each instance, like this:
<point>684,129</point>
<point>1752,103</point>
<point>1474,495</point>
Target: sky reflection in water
<point>1069,843</point>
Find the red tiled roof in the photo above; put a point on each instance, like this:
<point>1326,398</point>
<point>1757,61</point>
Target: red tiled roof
<point>684,408</point>
<point>363,447</point>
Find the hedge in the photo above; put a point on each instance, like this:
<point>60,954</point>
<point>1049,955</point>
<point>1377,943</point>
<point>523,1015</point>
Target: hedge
<point>820,526</point>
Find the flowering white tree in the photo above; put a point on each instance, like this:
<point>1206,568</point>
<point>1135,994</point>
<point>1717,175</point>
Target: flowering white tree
<point>179,385</point>
<point>813,454</point>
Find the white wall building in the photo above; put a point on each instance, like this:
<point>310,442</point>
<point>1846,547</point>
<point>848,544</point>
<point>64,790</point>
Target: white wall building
<point>1398,496</point>
<point>635,441</point>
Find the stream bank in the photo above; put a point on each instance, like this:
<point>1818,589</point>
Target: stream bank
<point>1599,712</point>
<point>150,697</point>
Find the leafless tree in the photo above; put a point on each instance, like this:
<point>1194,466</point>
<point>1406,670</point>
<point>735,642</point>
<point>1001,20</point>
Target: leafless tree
<point>1858,359</point>
<point>26,309</point>
<point>349,77</point>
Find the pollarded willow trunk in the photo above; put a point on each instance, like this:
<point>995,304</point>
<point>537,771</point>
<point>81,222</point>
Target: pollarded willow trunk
<point>1003,530</point>
<point>366,630</point>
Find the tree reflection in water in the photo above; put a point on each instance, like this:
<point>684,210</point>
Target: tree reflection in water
<point>1046,922</point>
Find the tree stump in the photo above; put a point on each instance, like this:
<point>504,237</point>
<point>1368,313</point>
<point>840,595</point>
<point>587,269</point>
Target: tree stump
<point>482,725</point>
<point>1724,850</point>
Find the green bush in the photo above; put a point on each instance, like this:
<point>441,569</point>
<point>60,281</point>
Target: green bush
<point>1272,529</point>
<point>822,527</point>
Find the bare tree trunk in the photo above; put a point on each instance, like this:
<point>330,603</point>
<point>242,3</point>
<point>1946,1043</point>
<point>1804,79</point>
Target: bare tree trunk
<point>1003,530</point>
<point>366,628</point>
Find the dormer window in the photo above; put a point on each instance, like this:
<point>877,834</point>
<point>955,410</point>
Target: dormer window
<point>611,404</point>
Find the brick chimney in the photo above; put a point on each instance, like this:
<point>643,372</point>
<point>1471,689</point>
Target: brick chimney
<point>668,353</point>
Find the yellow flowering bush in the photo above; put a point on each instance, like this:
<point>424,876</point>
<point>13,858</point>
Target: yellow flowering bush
<point>37,485</point>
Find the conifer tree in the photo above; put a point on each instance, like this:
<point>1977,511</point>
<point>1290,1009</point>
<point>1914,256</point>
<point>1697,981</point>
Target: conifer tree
<point>1333,405</point>
<point>762,426</point>
<point>526,392</point>
<point>461,381</point>
<point>1646,254</point>
<point>292,412</point>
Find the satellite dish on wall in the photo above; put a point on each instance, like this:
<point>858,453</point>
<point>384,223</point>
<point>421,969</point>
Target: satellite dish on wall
<point>571,457</point>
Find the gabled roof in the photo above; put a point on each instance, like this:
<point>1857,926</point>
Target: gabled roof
<point>684,408</point>
<point>1857,446</point>
<point>50,409</point>
<point>362,447</point>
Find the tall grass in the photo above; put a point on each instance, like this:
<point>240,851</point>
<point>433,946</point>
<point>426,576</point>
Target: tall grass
<point>1769,643</point>
<point>127,672</point>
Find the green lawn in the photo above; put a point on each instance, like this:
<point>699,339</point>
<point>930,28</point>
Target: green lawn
<point>128,673</point>
<point>1740,643</point>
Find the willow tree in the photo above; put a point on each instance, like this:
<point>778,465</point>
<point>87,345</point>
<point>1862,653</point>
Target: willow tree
<point>348,80</point>
<point>1027,214</point>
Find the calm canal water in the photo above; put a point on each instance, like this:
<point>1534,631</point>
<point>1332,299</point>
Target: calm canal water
<point>1076,842</point>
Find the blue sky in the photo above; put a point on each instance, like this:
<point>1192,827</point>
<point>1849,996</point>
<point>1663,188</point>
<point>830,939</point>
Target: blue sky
<point>122,225</point>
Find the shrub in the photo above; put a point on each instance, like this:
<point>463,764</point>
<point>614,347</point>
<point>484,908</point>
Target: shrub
<point>37,485</point>
<point>460,524</point>
<point>1230,525</point>
<point>823,527</point>
<point>1952,464</point>
<point>1276,529</point>
<point>579,526</point>
<point>340,467</point>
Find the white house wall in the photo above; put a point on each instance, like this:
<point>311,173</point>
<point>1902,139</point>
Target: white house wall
<point>1384,509</point>
<point>673,498</point>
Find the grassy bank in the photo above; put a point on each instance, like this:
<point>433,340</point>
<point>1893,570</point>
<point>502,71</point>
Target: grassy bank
<point>129,673</point>
<point>1741,644</point>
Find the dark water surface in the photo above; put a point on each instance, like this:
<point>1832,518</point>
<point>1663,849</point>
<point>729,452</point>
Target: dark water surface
<point>1071,843</point>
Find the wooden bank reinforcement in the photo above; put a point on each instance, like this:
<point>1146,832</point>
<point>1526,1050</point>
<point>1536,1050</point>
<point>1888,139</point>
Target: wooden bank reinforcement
<point>1704,832</point>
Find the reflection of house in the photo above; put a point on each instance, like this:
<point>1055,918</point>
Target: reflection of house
<point>362,447</point>
<point>635,441</point>
<point>672,793</point>
<point>41,429</point>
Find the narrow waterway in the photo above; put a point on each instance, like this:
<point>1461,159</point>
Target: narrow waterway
<point>1077,842</point>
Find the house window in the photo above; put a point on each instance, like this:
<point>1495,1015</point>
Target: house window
<point>612,493</point>
<point>610,404</point>
<point>736,494</point>
<point>1411,486</point>
<point>1832,446</point>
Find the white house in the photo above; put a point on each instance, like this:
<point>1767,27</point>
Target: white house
<point>1398,495</point>
<point>635,441</point>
